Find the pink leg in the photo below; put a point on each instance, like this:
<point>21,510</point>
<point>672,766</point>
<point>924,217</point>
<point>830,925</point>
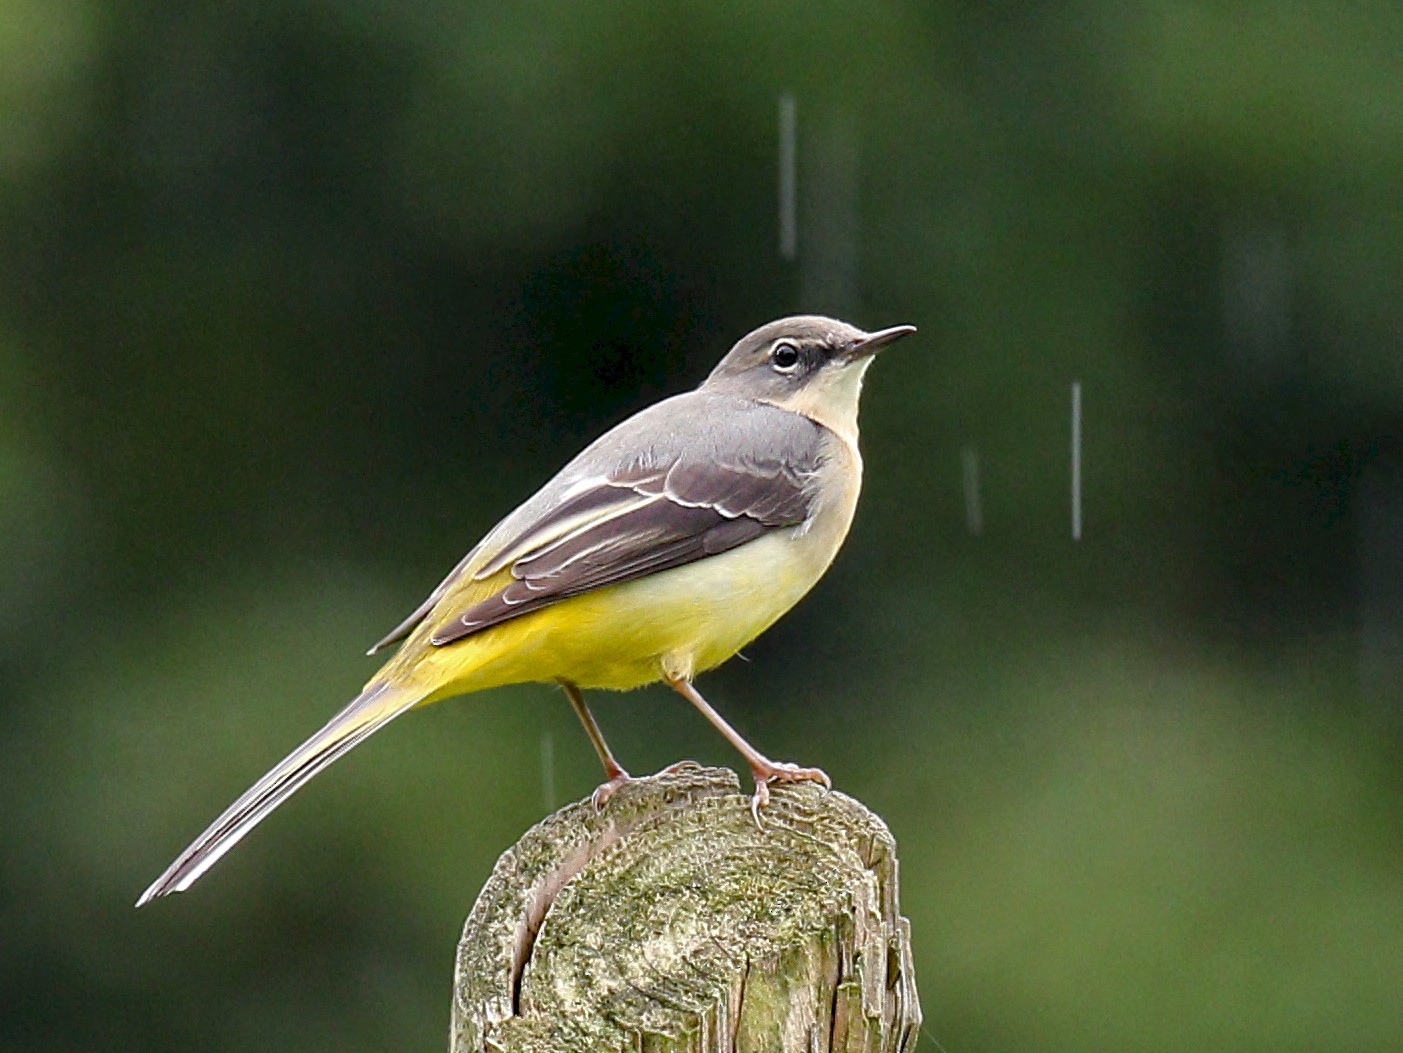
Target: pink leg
<point>765,770</point>
<point>613,770</point>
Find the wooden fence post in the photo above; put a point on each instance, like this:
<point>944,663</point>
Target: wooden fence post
<point>669,922</point>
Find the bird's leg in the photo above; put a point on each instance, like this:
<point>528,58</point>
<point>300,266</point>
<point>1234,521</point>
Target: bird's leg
<point>613,770</point>
<point>765,770</point>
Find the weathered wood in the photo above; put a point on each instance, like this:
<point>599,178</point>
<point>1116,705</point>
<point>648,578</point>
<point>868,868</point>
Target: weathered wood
<point>669,922</point>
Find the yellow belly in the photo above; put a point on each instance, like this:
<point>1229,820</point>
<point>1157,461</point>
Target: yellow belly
<point>677,623</point>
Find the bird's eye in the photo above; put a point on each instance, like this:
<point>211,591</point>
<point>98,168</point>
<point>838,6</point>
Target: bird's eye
<point>784,356</point>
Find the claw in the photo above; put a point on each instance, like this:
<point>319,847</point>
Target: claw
<point>758,800</point>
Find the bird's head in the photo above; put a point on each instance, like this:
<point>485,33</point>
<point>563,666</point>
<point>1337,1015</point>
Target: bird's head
<point>808,364</point>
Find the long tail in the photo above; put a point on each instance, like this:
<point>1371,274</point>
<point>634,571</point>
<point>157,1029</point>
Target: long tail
<point>375,707</point>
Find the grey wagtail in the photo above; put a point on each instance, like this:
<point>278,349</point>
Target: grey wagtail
<point>665,547</point>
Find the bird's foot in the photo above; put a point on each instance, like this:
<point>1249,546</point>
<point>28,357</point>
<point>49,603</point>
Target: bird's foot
<point>779,771</point>
<point>605,790</point>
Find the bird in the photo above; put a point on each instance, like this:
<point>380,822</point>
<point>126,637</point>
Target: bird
<point>657,553</point>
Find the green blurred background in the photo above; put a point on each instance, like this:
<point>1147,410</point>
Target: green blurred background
<point>297,298</point>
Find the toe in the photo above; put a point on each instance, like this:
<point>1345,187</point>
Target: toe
<point>606,790</point>
<point>794,773</point>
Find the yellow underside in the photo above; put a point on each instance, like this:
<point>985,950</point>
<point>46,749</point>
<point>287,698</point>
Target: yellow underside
<point>677,623</point>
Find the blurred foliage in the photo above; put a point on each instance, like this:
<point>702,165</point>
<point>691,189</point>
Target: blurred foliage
<point>299,297</point>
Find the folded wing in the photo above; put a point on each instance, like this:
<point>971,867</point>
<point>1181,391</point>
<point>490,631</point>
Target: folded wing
<point>688,478</point>
<point>640,521</point>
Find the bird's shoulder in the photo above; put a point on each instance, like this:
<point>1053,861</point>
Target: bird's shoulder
<point>701,425</point>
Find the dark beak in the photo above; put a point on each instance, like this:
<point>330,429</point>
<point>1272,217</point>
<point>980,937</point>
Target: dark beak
<point>871,343</point>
